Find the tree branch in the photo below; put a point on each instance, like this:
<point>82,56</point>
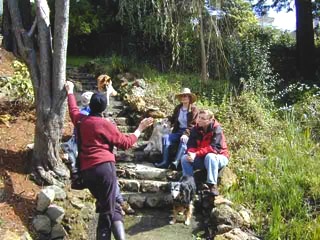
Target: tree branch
<point>33,27</point>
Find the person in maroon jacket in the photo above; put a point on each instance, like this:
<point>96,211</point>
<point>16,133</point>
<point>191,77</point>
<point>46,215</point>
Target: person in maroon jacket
<point>206,148</point>
<point>97,162</point>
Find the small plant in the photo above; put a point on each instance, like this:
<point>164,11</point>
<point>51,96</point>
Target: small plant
<point>19,87</point>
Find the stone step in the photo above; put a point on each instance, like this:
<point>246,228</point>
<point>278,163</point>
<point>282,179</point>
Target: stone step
<point>121,121</point>
<point>137,156</point>
<point>143,186</point>
<point>145,171</point>
<point>148,200</point>
<point>127,129</point>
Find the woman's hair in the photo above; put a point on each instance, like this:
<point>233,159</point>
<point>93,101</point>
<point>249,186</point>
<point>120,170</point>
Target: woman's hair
<point>207,112</point>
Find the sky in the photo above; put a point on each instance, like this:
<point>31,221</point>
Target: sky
<point>284,20</point>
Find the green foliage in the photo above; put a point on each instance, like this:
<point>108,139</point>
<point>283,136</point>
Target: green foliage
<point>273,159</point>
<point>249,63</point>
<point>307,112</point>
<point>78,61</point>
<point>19,87</point>
<point>111,66</point>
<point>86,18</point>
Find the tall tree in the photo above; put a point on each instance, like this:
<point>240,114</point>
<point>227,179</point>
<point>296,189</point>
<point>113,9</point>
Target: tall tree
<point>46,60</point>
<point>305,39</point>
<point>304,33</point>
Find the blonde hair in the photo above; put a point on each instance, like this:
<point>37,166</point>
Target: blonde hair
<point>207,112</point>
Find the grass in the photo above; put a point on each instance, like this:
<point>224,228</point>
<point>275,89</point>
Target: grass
<point>77,61</point>
<point>280,187</point>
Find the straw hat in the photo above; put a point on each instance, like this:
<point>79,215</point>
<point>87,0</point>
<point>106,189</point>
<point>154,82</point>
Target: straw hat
<point>187,91</point>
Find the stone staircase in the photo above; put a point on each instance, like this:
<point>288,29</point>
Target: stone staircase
<point>141,184</point>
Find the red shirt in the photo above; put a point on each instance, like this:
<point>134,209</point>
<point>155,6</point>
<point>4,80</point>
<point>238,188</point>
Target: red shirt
<point>98,137</point>
<point>211,141</point>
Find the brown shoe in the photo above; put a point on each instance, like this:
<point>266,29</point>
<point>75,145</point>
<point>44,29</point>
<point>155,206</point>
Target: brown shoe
<point>127,208</point>
<point>214,190</point>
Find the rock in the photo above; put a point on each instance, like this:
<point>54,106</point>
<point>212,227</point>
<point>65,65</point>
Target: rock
<point>152,201</point>
<point>8,235</point>
<point>2,194</point>
<point>137,201</point>
<point>246,217</point>
<point>224,214</point>
<point>42,224</point>
<point>129,185</point>
<point>138,91</point>
<point>223,228</point>
<point>221,200</point>
<point>45,198</point>
<point>153,186</point>
<point>77,203</point>
<point>144,171</point>
<point>121,121</point>
<point>227,178</point>
<point>140,83</point>
<point>55,213</point>
<point>235,234</point>
<point>60,194</point>
<point>58,232</point>
<point>25,236</point>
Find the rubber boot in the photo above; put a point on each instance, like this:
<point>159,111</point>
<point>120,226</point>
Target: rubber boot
<point>104,227</point>
<point>118,230</point>
<point>175,164</point>
<point>165,161</point>
<point>163,164</point>
<point>181,150</point>
<point>103,234</point>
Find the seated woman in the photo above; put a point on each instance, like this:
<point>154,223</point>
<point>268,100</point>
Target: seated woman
<point>184,117</point>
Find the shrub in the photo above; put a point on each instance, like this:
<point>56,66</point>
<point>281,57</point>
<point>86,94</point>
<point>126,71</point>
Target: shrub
<point>19,87</point>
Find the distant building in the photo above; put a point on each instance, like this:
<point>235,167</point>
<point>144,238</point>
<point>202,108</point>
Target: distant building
<point>265,21</point>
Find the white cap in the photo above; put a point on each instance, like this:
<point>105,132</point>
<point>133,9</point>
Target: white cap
<point>85,98</point>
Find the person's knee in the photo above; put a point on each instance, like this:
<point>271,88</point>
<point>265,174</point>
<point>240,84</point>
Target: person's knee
<point>184,159</point>
<point>165,140</point>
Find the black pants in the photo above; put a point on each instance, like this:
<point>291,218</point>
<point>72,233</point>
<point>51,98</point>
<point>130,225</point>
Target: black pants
<point>102,183</point>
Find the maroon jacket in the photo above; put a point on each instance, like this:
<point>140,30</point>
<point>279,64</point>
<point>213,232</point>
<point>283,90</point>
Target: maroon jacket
<point>192,117</point>
<point>211,141</point>
<point>98,137</point>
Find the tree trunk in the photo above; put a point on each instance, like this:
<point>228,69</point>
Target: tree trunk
<point>204,68</point>
<point>47,69</point>
<point>7,41</point>
<point>305,40</point>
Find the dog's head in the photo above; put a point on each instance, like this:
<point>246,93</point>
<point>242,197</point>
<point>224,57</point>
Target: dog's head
<point>184,190</point>
<point>175,190</point>
<point>163,126</point>
<point>103,81</point>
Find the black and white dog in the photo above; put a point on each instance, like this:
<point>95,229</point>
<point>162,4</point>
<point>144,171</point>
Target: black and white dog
<point>183,193</point>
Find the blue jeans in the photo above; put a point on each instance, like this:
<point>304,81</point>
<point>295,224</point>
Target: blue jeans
<point>212,162</point>
<point>169,140</point>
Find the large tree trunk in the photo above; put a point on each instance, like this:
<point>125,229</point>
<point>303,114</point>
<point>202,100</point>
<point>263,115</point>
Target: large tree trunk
<point>47,69</point>
<point>204,68</point>
<point>305,40</point>
<point>7,41</point>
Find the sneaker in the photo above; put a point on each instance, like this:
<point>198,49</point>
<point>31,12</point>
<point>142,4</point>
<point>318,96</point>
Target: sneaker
<point>127,208</point>
<point>214,190</point>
